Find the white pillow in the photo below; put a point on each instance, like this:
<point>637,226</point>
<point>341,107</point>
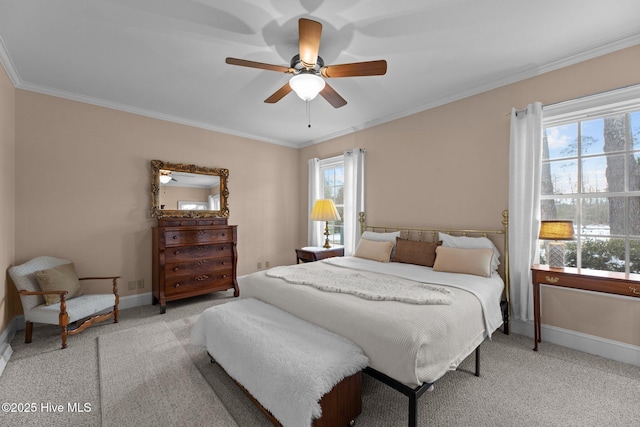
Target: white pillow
<point>381,237</point>
<point>466,242</point>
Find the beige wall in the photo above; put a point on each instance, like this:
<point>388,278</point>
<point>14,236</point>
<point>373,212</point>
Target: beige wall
<point>83,178</point>
<point>449,166</point>
<point>8,295</point>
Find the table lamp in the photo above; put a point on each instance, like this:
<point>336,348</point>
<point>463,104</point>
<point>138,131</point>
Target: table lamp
<point>325,210</point>
<point>556,231</point>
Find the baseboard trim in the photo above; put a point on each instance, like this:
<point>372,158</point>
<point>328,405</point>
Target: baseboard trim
<point>610,349</point>
<point>137,300</point>
<point>18,324</point>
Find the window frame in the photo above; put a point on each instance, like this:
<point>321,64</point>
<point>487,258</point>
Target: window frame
<point>617,102</point>
<point>327,164</point>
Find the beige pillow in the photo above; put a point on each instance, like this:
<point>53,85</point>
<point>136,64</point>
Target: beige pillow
<point>61,278</point>
<point>467,261</point>
<point>377,251</point>
<point>415,252</point>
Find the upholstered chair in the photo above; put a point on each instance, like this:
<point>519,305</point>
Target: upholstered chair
<point>60,307</point>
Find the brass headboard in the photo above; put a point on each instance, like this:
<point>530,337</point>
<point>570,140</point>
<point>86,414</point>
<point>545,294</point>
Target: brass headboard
<point>499,237</point>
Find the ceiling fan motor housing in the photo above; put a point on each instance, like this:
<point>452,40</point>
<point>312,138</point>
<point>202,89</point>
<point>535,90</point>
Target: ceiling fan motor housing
<point>300,67</point>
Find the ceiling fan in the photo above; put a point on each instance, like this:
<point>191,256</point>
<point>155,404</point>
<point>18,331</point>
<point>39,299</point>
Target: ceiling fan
<point>166,177</point>
<point>308,68</point>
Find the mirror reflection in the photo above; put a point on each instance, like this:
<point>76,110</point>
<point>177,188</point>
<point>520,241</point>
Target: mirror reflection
<point>180,190</point>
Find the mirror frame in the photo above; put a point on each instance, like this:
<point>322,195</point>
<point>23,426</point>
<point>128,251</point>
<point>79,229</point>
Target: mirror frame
<point>156,212</point>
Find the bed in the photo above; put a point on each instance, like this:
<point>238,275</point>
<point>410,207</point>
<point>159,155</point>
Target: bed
<point>409,345</point>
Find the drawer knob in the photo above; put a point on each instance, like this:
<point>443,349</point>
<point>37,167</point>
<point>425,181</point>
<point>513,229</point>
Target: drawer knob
<point>552,279</point>
<point>175,237</point>
<point>223,234</point>
<point>176,252</point>
<point>202,277</point>
<point>201,262</point>
<point>224,276</point>
<point>176,269</point>
<point>634,290</point>
<point>201,232</point>
<point>177,285</point>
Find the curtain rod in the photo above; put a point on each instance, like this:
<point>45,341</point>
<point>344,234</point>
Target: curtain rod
<point>524,110</point>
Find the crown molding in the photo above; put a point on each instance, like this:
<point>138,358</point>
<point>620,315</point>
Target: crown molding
<point>594,52</point>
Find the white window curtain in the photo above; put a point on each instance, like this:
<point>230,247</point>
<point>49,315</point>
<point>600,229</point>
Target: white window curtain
<point>525,160</point>
<point>315,192</point>
<point>353,198</point>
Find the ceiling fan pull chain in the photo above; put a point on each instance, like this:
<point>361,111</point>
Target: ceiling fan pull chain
<point>308,113</point>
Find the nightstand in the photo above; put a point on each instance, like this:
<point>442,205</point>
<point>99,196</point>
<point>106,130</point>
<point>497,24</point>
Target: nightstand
<point>314,253</point>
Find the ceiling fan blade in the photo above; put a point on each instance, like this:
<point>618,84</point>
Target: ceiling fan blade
<point>369,68</point>
<point>279,94</point>
<point>332,96</point>
<point>309,33</point>
<point>261,65</point>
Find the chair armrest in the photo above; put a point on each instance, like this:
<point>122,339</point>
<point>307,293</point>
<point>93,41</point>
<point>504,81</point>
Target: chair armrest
<point>61,293</point>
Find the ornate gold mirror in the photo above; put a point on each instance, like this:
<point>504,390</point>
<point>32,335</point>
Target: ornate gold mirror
<point>188,191</point>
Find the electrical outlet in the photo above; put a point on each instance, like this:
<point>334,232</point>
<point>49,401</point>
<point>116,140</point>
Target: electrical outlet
<point>267,264</point>
<point>132,285</point>
<point>259,265</point>
<point>140,284</point>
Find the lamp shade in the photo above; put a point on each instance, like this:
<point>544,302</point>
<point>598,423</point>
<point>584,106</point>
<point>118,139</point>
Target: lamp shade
<point>324,210</point>
<point>307,86</point>
<point>558,229</point>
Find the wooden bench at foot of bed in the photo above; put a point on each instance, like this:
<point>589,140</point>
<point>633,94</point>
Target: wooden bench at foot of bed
<point>282,362</point>
<point>340,406</point>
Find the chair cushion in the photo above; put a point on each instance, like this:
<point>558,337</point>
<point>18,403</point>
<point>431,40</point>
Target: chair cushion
<point>61,278</point>
<point>24,279</point>
<point>77,308</point>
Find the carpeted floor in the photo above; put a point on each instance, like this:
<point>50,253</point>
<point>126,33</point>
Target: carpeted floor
<point>153,375</point>
<point>517,387</point>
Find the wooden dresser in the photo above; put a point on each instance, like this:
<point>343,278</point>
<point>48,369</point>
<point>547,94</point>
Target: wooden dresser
<point>193,256</point>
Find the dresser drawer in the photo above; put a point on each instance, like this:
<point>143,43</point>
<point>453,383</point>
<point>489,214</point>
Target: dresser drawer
<point>195,252</point>
<point>195,236</point>
<point>221,279</point>
<point>197,267</point>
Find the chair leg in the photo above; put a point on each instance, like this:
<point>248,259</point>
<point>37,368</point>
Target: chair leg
<point>28,332</point>
<point>63,331</point>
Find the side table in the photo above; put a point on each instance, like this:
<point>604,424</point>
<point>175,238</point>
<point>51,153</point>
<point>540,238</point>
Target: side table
<point>588,280</point>
<point>315,253</point>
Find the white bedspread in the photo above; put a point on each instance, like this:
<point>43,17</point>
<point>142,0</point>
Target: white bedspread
<point>411,343</point>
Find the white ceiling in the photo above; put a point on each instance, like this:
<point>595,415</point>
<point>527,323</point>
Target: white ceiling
<point>165,58</point>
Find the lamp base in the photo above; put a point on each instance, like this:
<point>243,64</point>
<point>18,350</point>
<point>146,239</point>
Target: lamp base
<point>326,235</point>
<point>556,255</point>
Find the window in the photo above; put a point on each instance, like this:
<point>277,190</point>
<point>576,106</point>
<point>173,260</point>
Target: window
<point>332,175</point>
<point>591,175</point>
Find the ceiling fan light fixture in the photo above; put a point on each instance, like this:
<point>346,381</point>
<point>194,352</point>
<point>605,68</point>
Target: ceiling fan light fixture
<point>307,86</point>
<point>165,177</point>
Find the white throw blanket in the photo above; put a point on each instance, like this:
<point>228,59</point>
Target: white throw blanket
<point>365,285</point>
<point>286,363</point>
